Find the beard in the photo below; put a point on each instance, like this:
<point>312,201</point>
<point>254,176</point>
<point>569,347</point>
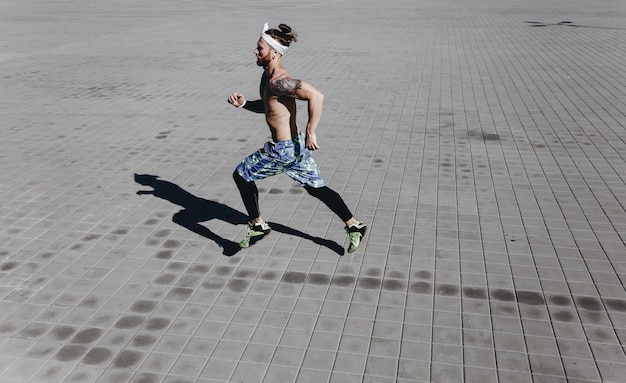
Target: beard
<point>263,61</point>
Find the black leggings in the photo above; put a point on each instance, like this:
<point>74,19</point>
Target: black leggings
<point>250,196</point>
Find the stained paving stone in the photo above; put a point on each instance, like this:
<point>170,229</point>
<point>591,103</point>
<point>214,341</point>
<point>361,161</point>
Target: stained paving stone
<point>483,143</point>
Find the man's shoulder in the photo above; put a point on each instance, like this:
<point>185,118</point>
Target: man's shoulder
<point>284,84</point>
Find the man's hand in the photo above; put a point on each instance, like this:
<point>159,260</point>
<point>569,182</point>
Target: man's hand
<point>311,141</point>
<point>237,99</point>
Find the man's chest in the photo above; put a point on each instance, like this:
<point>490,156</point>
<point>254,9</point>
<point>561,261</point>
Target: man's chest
<point>269,90</point>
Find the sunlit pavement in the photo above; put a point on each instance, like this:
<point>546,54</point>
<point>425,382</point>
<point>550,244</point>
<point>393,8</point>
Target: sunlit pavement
<point>483,142</point>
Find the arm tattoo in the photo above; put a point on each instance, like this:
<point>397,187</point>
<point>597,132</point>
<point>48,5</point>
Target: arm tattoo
<point>287,85</point>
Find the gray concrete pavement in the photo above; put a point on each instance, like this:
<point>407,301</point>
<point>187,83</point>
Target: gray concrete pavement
<point>484,142</point>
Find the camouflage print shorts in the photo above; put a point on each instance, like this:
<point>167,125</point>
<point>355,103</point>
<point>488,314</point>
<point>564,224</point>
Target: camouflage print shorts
<point>290,157</point>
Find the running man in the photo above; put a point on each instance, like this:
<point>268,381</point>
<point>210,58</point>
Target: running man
<point>289,151</point>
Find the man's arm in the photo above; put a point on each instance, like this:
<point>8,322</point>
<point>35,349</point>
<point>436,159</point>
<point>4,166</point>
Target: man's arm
<point>302,90</point>
<point>239,101</point>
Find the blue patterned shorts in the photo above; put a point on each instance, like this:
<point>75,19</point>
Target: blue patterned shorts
<point>290,157</point>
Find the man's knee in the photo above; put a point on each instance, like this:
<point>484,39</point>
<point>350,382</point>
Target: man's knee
<point>243,184</point>
<point>237,177</point>
<point>323,193</point>
<point>315,192</point>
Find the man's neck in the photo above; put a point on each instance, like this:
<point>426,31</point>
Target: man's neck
<point>272,67</point>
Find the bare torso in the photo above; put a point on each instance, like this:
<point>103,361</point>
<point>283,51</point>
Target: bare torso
<point>280,109</point>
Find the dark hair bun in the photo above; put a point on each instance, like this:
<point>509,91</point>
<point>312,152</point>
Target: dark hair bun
<point>286,34</point>
<point>286,29</point>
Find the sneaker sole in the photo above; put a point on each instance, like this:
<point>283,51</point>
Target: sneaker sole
<point>254,240</point>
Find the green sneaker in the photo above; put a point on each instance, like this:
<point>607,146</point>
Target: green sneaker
<point>356,231</point>
<point>255,233</point>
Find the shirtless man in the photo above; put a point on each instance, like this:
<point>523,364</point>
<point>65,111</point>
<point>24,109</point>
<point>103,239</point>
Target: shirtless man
<point>289,151</point>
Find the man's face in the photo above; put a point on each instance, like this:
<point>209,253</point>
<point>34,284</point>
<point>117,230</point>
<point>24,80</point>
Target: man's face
<point>263,53</point>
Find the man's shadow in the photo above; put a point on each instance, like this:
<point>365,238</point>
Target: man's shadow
<point>196,210</point>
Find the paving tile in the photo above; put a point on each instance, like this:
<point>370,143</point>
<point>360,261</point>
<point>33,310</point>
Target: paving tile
<point>473,374</point>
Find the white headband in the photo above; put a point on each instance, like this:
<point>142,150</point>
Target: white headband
<point>273,43</point>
